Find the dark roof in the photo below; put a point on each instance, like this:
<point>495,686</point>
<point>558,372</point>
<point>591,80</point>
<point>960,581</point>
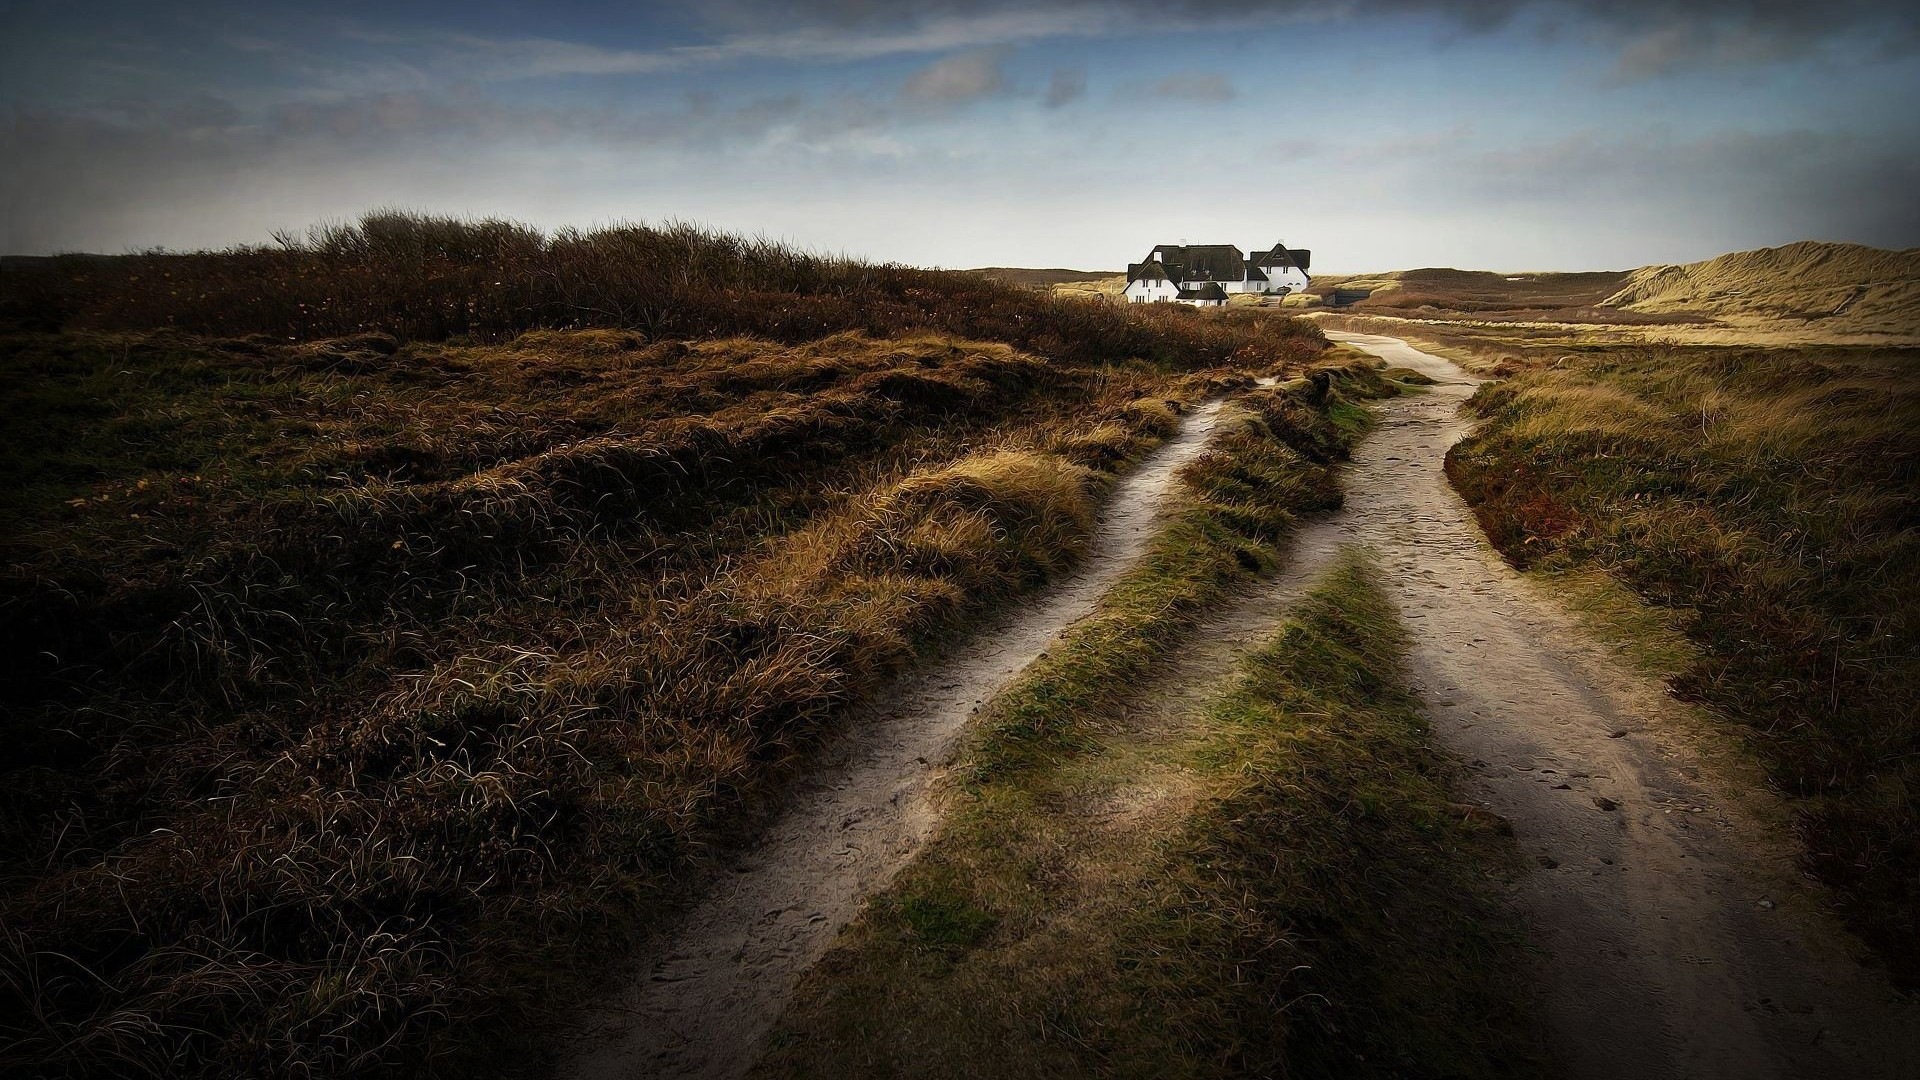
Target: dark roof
<point>1213,262</point>
<point>1274,256</point>
<point>1282,255</point>
<point>1203,262</point>
<point>1208,291</point>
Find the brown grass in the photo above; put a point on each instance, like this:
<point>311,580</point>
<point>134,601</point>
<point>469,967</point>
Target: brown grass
<point>1438,292</point>
<point>1834,288</point>
<point>360,688</point>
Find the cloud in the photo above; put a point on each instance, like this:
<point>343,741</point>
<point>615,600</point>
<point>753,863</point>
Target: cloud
<point>204,172</point>
<point>958,79</point>
<point>1648,37</point>
<point>315,138</point>
<point>1200,87</point>
<point>802,40</point>
<point>1635,190</point>
<point>1067,86</point>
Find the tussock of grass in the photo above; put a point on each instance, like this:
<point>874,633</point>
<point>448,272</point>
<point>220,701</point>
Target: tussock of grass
<point>1284,889</point>
<point>360,686</point>
<point>1769,497</point>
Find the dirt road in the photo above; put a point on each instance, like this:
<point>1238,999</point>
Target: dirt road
<point>1675,939</point>
<point>700,1005</point>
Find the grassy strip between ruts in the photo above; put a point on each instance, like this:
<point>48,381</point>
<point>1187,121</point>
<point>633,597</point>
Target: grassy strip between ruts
<point>1280,885</point>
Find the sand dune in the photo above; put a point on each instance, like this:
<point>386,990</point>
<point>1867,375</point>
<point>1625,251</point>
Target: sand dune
<point>1846,287</point>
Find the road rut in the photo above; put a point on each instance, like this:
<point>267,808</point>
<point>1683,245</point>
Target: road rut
<point>1675,938</point>
<point>700,1003</point>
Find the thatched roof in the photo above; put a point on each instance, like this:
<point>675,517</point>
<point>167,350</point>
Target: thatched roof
<point>1280,255</point>
<point>1214,262</point>
<point>1203,262</point>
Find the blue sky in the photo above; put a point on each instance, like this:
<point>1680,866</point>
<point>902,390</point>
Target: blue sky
<point>1506,134</point>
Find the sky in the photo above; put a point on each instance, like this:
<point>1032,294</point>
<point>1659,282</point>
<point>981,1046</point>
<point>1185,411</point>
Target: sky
<point>1380,134</point>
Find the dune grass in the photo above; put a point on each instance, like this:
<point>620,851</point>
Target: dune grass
<point>1845,288</point>
<point>1769,498</point>
<point>1281,886</point>
<point>365,690</point>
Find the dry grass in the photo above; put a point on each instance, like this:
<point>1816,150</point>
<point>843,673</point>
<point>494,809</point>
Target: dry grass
<point>362,688</point>
<point>1770,497</point>
<point>1827,288</point>
<point>1109,289</point>
<point>1483,295</point>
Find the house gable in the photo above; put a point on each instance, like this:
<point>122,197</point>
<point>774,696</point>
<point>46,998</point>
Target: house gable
<point>1282,256</point>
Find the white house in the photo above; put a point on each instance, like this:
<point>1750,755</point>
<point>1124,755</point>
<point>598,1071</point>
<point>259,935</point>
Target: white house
<point>1204,275</point>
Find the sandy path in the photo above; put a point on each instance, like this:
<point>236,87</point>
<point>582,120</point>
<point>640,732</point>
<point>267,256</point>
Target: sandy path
<point>1676,940</point>
<point>700,1004</point>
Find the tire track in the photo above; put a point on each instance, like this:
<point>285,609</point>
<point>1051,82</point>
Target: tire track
<point>1669,949</point>
<point>700,1002</point>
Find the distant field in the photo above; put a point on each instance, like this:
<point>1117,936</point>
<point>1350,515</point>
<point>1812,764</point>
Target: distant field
<point>1479,292</point>
<point>1041,279</point>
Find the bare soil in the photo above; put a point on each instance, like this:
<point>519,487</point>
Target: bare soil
<point>1676,938</point>
<point>699,1003</point>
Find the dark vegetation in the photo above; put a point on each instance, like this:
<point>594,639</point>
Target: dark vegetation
<point>434,278</point>
<point>394,620</point>
<point>1773,498</point>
